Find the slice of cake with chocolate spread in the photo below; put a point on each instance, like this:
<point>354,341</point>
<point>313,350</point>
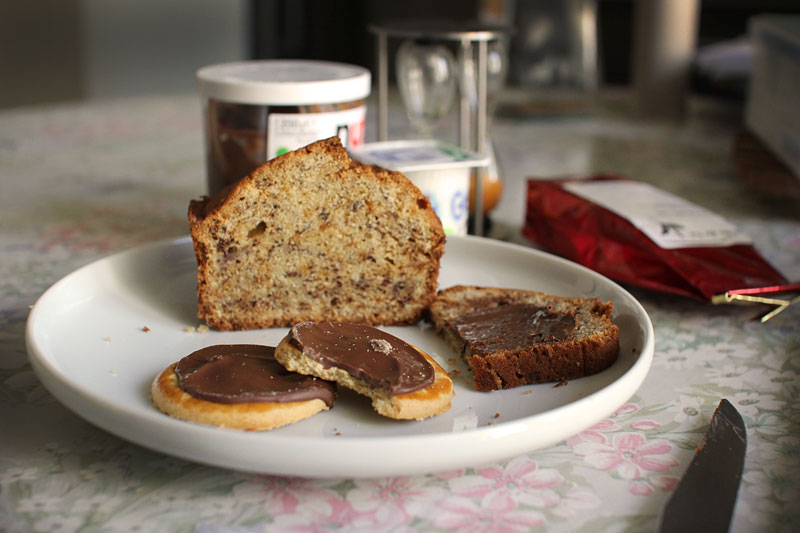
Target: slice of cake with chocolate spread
<point>314,235</point>
<point>513,337</point>
<point>238,386</point>
<point>403,382</point>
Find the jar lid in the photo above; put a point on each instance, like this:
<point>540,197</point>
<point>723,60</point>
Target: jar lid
<point>287,82</point>
<point>417,155</point>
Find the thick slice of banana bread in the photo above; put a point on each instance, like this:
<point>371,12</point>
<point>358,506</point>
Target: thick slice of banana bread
<point>314,236</point>
<point>513,337</point>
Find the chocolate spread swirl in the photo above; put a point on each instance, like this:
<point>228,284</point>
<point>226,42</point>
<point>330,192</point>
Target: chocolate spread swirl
<point>245,373</point>
<point>512,327</point>
<point>374,356</point>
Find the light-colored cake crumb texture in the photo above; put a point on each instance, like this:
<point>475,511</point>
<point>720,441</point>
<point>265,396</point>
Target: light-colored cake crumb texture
<point>313,235</point>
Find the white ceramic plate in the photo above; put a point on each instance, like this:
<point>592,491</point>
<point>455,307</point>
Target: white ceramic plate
<point>87,342</point>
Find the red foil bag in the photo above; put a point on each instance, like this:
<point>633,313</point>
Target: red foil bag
<point>591,235</point>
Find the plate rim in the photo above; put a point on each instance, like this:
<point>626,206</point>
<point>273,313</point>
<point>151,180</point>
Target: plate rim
<point>76,398</point>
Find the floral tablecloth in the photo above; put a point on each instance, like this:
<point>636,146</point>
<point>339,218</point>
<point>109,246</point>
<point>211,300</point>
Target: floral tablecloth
<point>80,181</point>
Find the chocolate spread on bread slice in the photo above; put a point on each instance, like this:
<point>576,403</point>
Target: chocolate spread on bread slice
<point>513,337</point>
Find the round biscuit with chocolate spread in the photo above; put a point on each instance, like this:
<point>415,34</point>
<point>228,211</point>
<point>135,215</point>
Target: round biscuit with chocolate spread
<point>403,382</point>
<point>238,386</point>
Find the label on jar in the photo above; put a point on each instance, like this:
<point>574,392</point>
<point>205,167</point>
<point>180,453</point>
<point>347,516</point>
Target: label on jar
<point>290,131</point>
<point>668,220</point>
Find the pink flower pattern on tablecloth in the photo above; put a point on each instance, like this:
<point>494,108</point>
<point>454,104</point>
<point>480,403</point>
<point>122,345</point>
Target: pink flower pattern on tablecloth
<point>492,514</point>
<point>284,494</point>
<point>594,433</point>
<point>627,409</point>
<point>520,479</point>
<point>319,516</point>
<point>394,501</point>
<point>500,498</point>
<point>630,455</point>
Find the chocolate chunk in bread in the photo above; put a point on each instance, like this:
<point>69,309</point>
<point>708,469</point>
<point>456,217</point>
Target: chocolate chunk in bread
<point>314,235</point>
<point>403,382</point>
<point>513,337</point>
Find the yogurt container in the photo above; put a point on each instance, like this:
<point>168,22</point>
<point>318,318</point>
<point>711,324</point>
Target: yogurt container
<point>441,170</point>
<point>256,110</point>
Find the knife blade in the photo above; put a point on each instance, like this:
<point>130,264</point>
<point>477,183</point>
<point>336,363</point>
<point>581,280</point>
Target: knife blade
<point>706,495</point>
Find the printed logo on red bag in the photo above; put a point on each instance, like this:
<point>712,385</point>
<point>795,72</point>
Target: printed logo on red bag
<point>668,220</point>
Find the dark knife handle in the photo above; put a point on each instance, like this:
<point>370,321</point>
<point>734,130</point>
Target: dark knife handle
<point>706,495</point>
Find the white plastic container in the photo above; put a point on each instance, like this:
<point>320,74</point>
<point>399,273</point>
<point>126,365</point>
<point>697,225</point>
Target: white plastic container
<point>256,110</point>
<point>441,170</point>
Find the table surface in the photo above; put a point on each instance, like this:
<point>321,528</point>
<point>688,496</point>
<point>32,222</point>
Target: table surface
<point>80,181</point>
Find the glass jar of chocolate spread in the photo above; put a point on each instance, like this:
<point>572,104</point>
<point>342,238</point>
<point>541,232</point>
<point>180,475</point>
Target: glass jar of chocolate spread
<point>256,110</point>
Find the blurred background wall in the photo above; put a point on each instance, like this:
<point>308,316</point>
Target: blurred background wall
<point>74,49</point>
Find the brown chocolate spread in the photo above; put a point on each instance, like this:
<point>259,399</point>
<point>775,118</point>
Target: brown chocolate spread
<point>513,326</point>
<point>374,356</point>
<point>236,138</point>
<point>245,373</point>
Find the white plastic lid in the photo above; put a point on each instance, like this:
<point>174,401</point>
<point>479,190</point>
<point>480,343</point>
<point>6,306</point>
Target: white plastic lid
<point>284,82</point>
<point>415,155</point>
